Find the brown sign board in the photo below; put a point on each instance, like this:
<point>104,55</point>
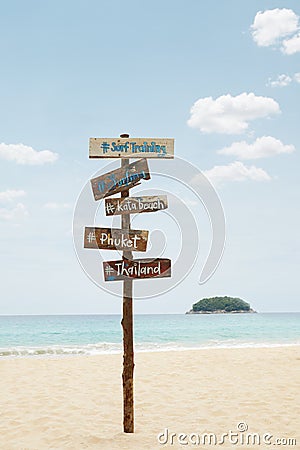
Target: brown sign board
<point>137,268</point>
<point>131,148</point>
<point>121,179</point>
<point>134,205</point>
<point>115,239</point>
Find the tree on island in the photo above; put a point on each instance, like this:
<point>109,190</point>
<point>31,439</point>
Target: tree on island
<point>221,304</point>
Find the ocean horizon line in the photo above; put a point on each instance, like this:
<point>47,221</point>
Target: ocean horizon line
<point>138,314</point>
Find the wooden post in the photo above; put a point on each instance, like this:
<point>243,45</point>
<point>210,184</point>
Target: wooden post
<point>127,324</point>
<point>128,176</point>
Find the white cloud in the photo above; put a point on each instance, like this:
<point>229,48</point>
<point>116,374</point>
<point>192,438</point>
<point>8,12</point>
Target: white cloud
<point>230,115</point>
<point>281,81</point>
<point>272,25</point>
<point>297,77</point>
<point>263,147</point>
<point>57,206</point>
<point>236,171</point>
<point>17,213</point>
<point>10,195</point>
<point>292,45</point>
<point>23,154</point>
<point>284,80</point>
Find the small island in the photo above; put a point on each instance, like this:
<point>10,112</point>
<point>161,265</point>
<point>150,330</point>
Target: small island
<point>221,305</point>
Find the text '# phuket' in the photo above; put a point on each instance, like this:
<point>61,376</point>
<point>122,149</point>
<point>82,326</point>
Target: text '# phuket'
<point>137,269</point>
<point>115,239</point>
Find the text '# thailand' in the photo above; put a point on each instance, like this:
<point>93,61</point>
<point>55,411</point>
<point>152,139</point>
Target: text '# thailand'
<point>137,269</point>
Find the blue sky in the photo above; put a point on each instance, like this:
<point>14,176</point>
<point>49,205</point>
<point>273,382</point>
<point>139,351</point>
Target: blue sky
<point>73,70</point>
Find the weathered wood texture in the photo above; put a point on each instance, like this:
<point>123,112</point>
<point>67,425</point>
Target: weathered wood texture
<point>133,205</point>
<point>131,148</point>
<point>136,269</point>
<point>127,325</point>
<point>119,180</point>
<point>115,239</point>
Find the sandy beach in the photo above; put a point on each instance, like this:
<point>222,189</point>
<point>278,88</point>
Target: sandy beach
<point>76,402</point>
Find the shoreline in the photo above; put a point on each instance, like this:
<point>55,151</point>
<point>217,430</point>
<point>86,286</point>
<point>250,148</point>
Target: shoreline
<point>40,352</point>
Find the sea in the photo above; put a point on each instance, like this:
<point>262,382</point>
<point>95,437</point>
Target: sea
<point>71,335</point>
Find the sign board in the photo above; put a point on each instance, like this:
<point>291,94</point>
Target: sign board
<point>115,239</point>
<point>137,269</point>
<point>133,205</point>
<point>119,180</point>
<point>131,148</point>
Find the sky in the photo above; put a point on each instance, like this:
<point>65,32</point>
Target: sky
<point>221,78</point>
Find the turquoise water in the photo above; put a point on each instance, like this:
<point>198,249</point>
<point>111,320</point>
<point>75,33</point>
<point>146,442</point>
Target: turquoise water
<point>95,334</point>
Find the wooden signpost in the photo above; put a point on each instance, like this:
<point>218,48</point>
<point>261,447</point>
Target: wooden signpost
<point>125,239</point>
<point>137,269</point>
<point>115,239</point>
<point>131,148</point>
<point>133,205</point>
<point>120,179</point>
